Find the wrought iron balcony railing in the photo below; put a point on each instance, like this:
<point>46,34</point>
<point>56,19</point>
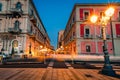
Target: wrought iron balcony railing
<point>107,36</point>
<point>33,18</point>
<point>88,36</point>
<point>31,33</point>
<point>14,30</point>
<point>118,36</point>
<point>16,12</point>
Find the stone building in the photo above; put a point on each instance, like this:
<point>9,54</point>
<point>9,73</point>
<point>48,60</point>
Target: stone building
<point>60,39</point>
<point>21,29</point>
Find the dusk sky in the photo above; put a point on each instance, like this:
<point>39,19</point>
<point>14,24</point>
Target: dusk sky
<point>55,14</point>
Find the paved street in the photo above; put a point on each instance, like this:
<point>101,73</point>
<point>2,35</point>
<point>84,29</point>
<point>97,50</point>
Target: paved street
<point>56,70</point>
<point>52,74</point>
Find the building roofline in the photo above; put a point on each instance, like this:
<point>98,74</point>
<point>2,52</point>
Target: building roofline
<point>69,17</point>
<point>39,17</point>
<point>96,4</point>
<point>90,4</point>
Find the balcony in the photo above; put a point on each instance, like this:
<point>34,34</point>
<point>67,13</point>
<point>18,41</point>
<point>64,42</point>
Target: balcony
<point>33,19</point>
<point>73,38</point>
<point>14,30</point>
<point>16,12</point>
<point>88,36</point>
<point>118,36</point>
<point>99,36</point>
<point>108,36</point>
<point>32,34</point>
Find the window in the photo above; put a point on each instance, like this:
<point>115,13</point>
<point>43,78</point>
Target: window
<point>101,14</point>
<point>74,49</point>
<point>73,19</point>
<point>87,31</point>
<point>32,13</point>
<point>101,32</point>
<point>103,48</point>
<point>73,34</point>
<point>87,48</point>
<point>86,15</point>
<point>119,15</point>
<point>70,25</point>
<point>0,6</point>
<point>31,30</point>
<point>16,24</point>
<point>60,44</point>
<point>18,5</point>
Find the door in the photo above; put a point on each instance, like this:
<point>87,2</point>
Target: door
<point>14,47</point>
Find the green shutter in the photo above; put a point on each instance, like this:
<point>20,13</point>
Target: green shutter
<point>0,6</point>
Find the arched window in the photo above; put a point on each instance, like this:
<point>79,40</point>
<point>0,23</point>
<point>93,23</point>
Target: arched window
<point>18,5</point>
<point>0,6</point>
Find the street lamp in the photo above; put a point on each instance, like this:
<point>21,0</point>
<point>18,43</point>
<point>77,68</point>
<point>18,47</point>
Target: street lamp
<point>107,68</point>
<point>109,12</point>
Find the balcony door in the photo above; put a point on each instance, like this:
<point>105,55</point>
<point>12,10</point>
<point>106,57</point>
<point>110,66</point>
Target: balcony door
<point>87,31</point>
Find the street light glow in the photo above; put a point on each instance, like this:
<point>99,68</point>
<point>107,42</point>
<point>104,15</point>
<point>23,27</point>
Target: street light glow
<point>94,19</point>
<point>41,46</point>
<point>110,11</point>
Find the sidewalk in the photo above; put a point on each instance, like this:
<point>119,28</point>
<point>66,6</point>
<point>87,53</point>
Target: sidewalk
<point>87,57</point>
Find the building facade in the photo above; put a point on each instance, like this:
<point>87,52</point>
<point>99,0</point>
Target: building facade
<point>85,38</point>
<point>21,29</point>
<point>60,39</point>
<point>60,49</point>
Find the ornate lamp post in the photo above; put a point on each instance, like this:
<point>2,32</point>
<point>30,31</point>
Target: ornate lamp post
<point>109,12</point>
<point>107,68</point>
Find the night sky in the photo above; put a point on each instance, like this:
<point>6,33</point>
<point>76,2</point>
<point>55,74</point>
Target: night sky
<point>55,14</point>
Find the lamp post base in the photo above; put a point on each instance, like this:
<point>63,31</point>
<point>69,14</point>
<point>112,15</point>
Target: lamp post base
<point>107,70</point>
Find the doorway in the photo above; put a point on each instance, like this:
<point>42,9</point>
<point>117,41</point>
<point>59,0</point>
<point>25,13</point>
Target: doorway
<point>14,47</point>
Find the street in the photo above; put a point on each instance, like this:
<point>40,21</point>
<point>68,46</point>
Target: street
<point>52,74</point>
<point>56,69</point>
